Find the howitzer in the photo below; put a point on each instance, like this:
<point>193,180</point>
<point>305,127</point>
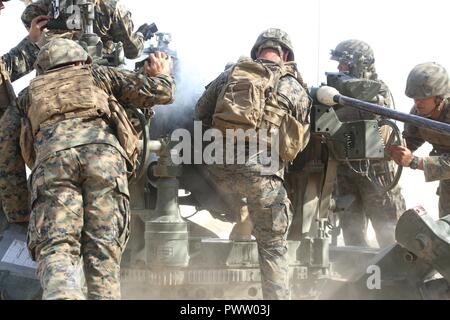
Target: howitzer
<point>330,96</point>
<point>363,143</point>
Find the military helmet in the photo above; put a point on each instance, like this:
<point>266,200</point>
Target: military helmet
<point>347,50</point>
<point>427,80</point>
<point>273,38</point>
<point>59,52</point>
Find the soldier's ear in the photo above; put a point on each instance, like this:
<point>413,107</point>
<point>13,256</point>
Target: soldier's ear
<point>285,55</point>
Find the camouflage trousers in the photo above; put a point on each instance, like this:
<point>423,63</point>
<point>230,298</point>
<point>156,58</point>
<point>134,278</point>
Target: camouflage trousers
<point>383,210</point>
<point>271,213</point>
<point>80,210</point>
<point>444,198</point>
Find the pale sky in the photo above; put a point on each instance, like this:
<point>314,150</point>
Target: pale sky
<point>209,33</point>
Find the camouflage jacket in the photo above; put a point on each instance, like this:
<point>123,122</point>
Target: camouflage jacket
<point>14,65</point>
<point>13,181</point>
<point>415,136</point>
<point>127,87</point>
<point>437,167</point>
<point>20,59</point>
<point>298,105</point>
<point>112,23</point>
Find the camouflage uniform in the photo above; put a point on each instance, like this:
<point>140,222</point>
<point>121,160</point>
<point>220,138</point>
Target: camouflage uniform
<point>13,186</point>
<point>424,81</point>
<point>80,199</point>
<point>415,137</point>
<point>383,209</point>
<point>112,23</point>
<point>436,168</point>
<point>266,197</point>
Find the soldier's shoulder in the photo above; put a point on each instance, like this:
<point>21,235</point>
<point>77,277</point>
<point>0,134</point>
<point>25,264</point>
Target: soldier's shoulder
<point>290,81</point>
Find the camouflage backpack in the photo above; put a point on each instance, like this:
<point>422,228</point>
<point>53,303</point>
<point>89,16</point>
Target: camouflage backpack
<point>248,100</point>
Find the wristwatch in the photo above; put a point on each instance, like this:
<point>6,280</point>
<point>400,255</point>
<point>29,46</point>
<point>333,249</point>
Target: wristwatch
<point>414,164</point>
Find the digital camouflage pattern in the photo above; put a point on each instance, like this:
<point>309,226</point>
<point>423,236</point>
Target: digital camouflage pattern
<point>265,195</point>
<point>80,194</point>
<point>14,191</point>
<point>272,38</point>
<point>437,167</point>
<point>427,80</point>
<point>51,54</point>
<point>14,65</point>
<point>416,137</point>
<point>13,186</point>
<point>271,214</point>
<point>128,87</point>
<point>112,23</point>
<point>121,83</point>
<point>80,207</point>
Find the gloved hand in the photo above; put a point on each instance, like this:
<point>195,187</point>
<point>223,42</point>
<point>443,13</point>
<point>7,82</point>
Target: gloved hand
<point>147,30</point>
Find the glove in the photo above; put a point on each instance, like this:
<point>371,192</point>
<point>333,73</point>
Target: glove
<point>147,30</point>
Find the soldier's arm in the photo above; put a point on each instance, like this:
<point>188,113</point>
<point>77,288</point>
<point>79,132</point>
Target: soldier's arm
<point>13,179</point>
<point>20,60</point>
<point>23,101</point>
<point>122,30</point>
<point>206,104</point>
<point>436,168</point>
<point>293,97</point>
<point>133,88</point>
<point>33,10</point>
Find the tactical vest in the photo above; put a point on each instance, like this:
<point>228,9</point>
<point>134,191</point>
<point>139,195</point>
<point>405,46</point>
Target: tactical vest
<point>65,93</point>
<point>249,101</point>
<point>69,93</point>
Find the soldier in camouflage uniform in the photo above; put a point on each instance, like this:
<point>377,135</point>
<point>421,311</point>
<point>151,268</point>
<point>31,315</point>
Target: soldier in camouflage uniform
<point>13,65</point>
<point>112,23</point>
<point>356,58</point>
<point>266,197</point>
<point>428,85</point>
<point>80,199</point>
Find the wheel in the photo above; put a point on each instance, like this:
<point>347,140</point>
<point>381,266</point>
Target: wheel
<point>386,173</point>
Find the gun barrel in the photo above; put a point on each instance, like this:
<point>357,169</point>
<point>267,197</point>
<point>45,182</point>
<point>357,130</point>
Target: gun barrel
<point>330,96</point>
<point>393,114</point>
